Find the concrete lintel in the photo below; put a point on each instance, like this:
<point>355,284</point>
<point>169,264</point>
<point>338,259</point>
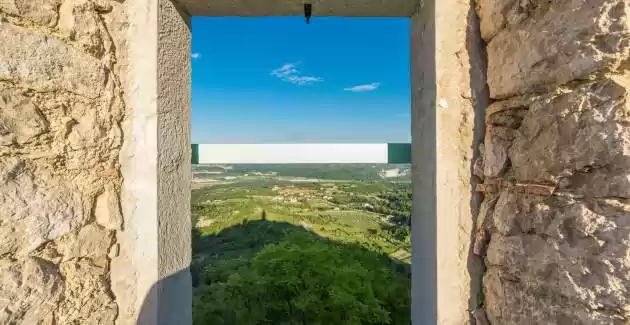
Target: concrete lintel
<point>254,8</point>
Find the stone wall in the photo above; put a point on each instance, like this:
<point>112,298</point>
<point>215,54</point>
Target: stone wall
<point>61,107</point>
<point>554,226</point>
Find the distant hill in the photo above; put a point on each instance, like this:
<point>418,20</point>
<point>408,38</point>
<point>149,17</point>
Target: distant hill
<point>320,171</point>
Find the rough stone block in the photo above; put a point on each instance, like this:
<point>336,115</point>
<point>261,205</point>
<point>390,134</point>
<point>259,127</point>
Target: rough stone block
<point>79,20</point>
<point>87,299</point>
<point>497,143</point>
<point>42,12</point>
<point>29,290</point>
<point>560,41</point>
<point>91,241</point>
<point>495,15</point>
<point>510,301</point>
<point>35,208</point>
<point>567,251</point>
<point>107,209</point>
<point>46,63</point>
<point>86,131</point>
<point>502,119</point>
<point>572,130</point>
<point>601,182</point>
<point>20,119</point>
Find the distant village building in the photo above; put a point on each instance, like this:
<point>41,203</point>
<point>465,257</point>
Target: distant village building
<point>368,207</point>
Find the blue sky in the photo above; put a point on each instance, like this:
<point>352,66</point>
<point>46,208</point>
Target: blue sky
<point>279,80</point>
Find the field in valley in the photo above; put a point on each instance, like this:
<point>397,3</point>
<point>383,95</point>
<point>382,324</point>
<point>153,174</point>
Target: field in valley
<point>268,231</point>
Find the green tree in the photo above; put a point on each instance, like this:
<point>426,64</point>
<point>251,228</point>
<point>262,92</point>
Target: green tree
<point>304,280</point>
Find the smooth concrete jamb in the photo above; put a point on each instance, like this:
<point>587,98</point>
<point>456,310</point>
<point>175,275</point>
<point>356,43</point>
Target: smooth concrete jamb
<point>442,138</point>
<point>134,271</point>
<point>156,167</point>
<point>424,284</point>
<point>174,166</point>
<point>261,8</point>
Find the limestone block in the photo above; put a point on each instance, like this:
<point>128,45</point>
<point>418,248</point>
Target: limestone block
<point>91,241</point>
<point>87,131</point>
<point>79,19</point>
<point>29,290</point>
<point>602,182</point>
<point>93,136</point>
<point>509,251</point>
<point>504,213</point>
<point>573,130</point>
<point>107,209</point>
<point>87,299</point>
<point>510,301</point>
<point>478,165</point>
<point>517,213</point>
<point>20,119</point>
<point>562,250</point>
<point>560,41</point>
<point>485,210</point>
<point>495,15</point>
<point>502,119</point>
<point>480,317</point>
<point>35,208</point>
<point>42,12</point>
<point>498,141</point>
<point>46,63</point>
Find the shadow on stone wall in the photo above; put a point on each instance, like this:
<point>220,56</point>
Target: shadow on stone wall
<point>476,48</point>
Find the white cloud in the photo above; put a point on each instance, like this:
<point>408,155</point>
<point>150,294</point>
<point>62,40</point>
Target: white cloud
<point>302,80</point>
<point>195,55</point>
<point>290,73</point>
<point>363,88</point>
<point>285,71</point>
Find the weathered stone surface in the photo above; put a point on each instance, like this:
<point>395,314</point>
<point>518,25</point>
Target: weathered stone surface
<point>93,134</point>
<point>107,210</point>
<point>562,251</point>
<point>478,165</point>
<point>29,290</point>
<point>34,208</point>
<point>573,130</point>
<point>504,213</point>
<point>87,299</point>
<point>497,143</point>
<point>42,12</point>
<point>86,130</point>
<point>485,210</point>
<point>124,281</point>
<point>480,317</point>
<point>91,241</point>
<point>79,19</point>
<point>502,120</point>
<point>509,301</point>
<point>559,42</point>
<point>20,119</point>
<point>46,63</point>
<point>495,15</point>
<point>60,112</point>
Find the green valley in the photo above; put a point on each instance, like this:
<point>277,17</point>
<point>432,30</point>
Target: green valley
<point>301,244</point>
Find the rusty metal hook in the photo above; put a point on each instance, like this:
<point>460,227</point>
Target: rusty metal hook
<point>308,10</point>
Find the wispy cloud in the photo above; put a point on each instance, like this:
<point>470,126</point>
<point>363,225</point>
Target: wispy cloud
<point>195,55</point>
<point>290,73</point>
<point>363,88</point>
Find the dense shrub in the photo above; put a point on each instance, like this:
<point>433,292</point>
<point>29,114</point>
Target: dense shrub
<point>303,280</point>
